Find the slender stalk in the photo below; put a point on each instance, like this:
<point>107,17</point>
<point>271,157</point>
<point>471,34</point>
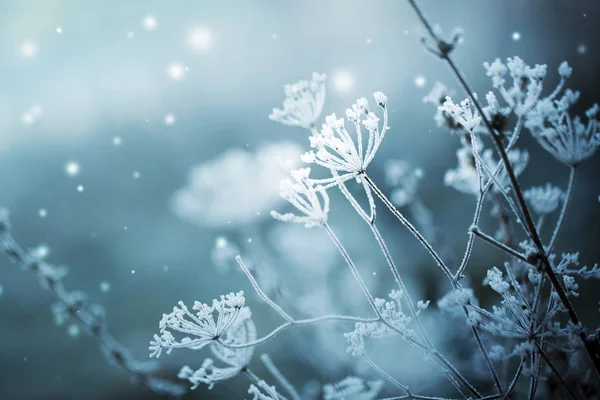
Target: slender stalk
<point>508,250</point>
<point>553,368</point>
<point>278,375</point>
<point>590,347</point>
<point>564,209</point>
<point>385,374</point>
<point>261,384</point>
<point>408,225</point>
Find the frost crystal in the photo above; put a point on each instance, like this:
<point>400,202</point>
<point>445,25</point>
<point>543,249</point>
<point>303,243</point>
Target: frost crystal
<point>303,103</point>
<point>306,197</point>
<point>352,388</point>
<point>544,199</point>
<point>454,300</point>
<point>201,325</point>
<point>465,113</point>
<point>337,150</point>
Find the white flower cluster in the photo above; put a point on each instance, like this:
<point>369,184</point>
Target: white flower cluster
<point>568,139</point>
<point>213,195</point>
<point>404,179</point>
<point>544,199</point>
<point>241,332</point>
<point>201,326</point>
<point>303,103</point>
<point>464,178</point>
<point>338,151</point>
<point>312,201</point>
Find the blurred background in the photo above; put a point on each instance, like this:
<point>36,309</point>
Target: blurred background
<point>105,107</point>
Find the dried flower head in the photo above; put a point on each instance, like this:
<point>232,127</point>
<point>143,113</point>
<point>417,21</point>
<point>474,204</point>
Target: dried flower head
<point>201,325</point>
<point>544,199</point>
<point>303,103</point>
<point>312,201</point>
<point>338,151</point>
<point>568,139</point>
<point>242,331</point>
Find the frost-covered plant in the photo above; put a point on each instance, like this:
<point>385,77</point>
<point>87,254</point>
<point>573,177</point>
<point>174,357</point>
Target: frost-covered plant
<point>73,305</point>
<point>303,102</point>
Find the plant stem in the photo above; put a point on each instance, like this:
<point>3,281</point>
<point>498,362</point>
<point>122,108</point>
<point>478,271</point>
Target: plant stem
<point>564,209</point>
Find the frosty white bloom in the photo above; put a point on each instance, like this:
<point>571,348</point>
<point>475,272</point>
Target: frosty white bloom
<point>454,300</point>
<point>242,331</point>
<point>302,193</point>
<point>526,82</point>
<point>544,199</point>
<point>391,311</point>
<point>303,103</point>
<point>352,388</point>
<point>568,139</point>
<point>404,179</point>
<point>571,286</point>
<point>437,97</point>
<point>494,278</point>
<point>338,151</point>
<point>257,394</point>
<point>201,326</point>
<point>464,178</point>
<point>237,188</point>
<point>465,113</point>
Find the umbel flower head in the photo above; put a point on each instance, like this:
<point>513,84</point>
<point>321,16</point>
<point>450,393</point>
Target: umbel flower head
<point>352,388</point>
<point>464,178</point>
<point>303,103</point>
<point>544,199</point>
<point>338,151</point>
<point>568,139</point>
<point>464,113</point>
<point>200,327</point>
<point>312,201</point>
<point>242,331</point>
<point>526,82</point>
<point>212,197</point>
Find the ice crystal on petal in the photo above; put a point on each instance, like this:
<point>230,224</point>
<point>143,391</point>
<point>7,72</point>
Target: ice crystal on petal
<point>310,199</point>
<point>352,388</point>
<point>201,325</point>
<point>544,199</point>
<point>303,103</point>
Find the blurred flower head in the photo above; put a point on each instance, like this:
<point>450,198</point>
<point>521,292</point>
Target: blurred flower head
<point>303,102</point>
<point>237,188</point>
